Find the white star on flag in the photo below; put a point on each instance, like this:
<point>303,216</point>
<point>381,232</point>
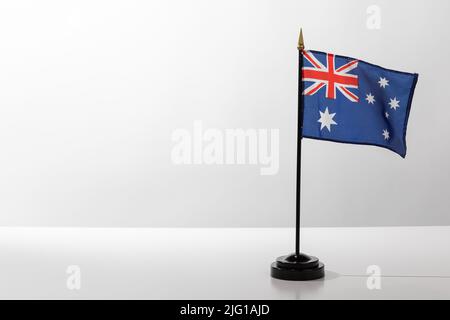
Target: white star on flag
<point>383,82</point>
<point>386,115</point>
<point>326,119</point>
<point>386,134</point>
<point>394,103</point>
<point>370,98</point>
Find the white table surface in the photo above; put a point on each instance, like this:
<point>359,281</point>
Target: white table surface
<point>221,263</point>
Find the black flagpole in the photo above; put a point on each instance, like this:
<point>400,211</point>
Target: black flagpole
<point>298,266</point>
<point>300,48</point>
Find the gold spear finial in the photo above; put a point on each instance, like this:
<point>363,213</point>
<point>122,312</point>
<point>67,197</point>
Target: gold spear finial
<point>301,44</point>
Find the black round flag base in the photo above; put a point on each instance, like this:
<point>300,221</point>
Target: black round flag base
<point>297,268</point>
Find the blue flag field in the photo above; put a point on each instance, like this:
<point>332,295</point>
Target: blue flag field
<point>352,101</point>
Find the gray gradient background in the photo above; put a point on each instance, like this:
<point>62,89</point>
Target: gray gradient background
<point>91,91</point>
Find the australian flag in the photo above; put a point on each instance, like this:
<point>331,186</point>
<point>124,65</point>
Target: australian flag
<point>351,101</point>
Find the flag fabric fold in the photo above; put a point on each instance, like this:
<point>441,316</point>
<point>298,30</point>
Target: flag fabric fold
<point>352,101</point>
